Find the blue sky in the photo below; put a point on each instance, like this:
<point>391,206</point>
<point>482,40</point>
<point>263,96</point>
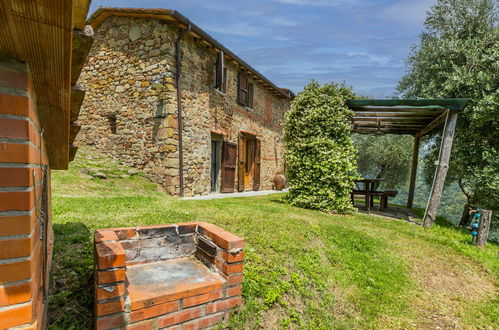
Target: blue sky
<point>363,43</point>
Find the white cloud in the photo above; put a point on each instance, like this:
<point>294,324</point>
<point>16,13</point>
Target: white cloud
<point>237,29</point>
<point>282,21</point>
<point>319,3</point>
<point>407,12</point>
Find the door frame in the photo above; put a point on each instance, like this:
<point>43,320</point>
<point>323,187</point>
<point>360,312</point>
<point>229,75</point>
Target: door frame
<point>248,142</point>
<point>229,167</point>
<point>218,139</point>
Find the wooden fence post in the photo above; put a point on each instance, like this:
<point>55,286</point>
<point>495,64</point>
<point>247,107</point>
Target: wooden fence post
<point>483,228</point>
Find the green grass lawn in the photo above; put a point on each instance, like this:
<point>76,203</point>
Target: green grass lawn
<point>303,269</point>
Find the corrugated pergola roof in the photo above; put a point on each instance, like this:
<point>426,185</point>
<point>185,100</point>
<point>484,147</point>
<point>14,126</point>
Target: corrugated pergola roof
<point>392,116</point>
<point>415,117</point>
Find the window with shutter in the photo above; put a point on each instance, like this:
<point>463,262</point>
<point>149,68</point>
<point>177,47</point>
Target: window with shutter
<point>251,91</point>
<point>112,123</point>
<point>242,95</point>
<point>220,74</point>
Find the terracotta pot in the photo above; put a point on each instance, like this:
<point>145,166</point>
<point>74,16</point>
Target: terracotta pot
<point>279,181</point>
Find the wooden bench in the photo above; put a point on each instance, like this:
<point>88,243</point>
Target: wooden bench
<point>383,203</point>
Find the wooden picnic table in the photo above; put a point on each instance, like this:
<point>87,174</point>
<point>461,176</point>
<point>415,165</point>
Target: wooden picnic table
<point>368,189</point>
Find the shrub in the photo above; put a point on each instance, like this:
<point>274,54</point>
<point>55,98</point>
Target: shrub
<point>320,156</point>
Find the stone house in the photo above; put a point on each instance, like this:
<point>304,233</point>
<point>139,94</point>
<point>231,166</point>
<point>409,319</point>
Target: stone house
<point>230,116</point>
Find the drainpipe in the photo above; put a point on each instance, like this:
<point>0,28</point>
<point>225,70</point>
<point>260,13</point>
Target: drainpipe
<point>178,60</point>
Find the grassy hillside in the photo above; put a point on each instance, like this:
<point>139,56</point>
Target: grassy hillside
<point>303,269</point>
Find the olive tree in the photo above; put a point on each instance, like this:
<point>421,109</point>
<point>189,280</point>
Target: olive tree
<point>319,155</point>
<point>458,56</point>
<point>385,156</point>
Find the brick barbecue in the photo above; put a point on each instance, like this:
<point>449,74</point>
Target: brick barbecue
<point>184,275</point>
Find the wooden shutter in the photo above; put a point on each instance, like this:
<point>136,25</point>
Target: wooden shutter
<point>224,82</point>
<point>241,163</point>
<point>251,91</point>
<point>228,167</point>
<point>219,71</point>
<point>242,87</point>
<point>256,175</point>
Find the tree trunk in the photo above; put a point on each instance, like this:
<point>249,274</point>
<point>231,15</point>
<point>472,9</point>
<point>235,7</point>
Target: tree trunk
<point>465,216</point>
<point>414,171</point>
<point>483,229</point>
<point>380,174</point>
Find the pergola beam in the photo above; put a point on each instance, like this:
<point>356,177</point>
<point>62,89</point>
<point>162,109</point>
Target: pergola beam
<point>397,109</point>
<point>360,121</point>
<point>388,124</point>
<point>395,115</point>
<point>425,120</point>
<point>439,120</point>
<point>455,104</point>
<point>384,131</point>
<point>442,168</point>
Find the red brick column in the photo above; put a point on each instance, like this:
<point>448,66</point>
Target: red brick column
<point>110,274</point>
<point>21,177</point>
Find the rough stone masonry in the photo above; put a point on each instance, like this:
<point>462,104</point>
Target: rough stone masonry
<point>130,107</point>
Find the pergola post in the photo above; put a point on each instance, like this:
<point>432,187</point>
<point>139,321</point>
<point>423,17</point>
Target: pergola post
<point>414,170</point>
<point>442,168</point>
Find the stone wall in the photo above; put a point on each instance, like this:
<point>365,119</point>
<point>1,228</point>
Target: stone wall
<point>134,120</point>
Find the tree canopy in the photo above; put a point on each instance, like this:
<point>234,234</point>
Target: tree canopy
<point>458,56</point>
<point>319,155</point>
<point>385,156</point>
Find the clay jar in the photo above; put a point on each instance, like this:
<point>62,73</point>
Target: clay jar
<point>279,181</point>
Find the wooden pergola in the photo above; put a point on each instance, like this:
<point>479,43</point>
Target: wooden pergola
<point>417,118</point>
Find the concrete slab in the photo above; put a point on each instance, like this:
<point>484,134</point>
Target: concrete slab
<point>237,194</point>
<point>159,282</point>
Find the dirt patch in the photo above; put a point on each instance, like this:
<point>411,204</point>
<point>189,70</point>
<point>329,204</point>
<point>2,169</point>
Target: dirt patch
<point>447,282</point>
<point>395,212</point>
<point>271,318</point>
<point>446,286</point>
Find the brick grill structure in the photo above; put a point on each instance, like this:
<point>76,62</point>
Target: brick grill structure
<point>183,276</point>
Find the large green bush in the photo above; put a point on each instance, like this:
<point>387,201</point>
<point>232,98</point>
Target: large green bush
<point>320,156</point>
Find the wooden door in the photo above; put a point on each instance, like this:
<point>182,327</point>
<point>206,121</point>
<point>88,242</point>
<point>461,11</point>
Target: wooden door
<point>216,159</point>
<point>241,162</point>
<point>256,174</point>
<point>228,167</point>
<point>249,162</point>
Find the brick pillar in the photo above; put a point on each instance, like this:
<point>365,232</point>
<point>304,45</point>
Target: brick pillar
<point>22,247</point>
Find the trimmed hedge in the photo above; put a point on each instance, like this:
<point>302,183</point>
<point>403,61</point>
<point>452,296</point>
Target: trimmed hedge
<point>320,156</point>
